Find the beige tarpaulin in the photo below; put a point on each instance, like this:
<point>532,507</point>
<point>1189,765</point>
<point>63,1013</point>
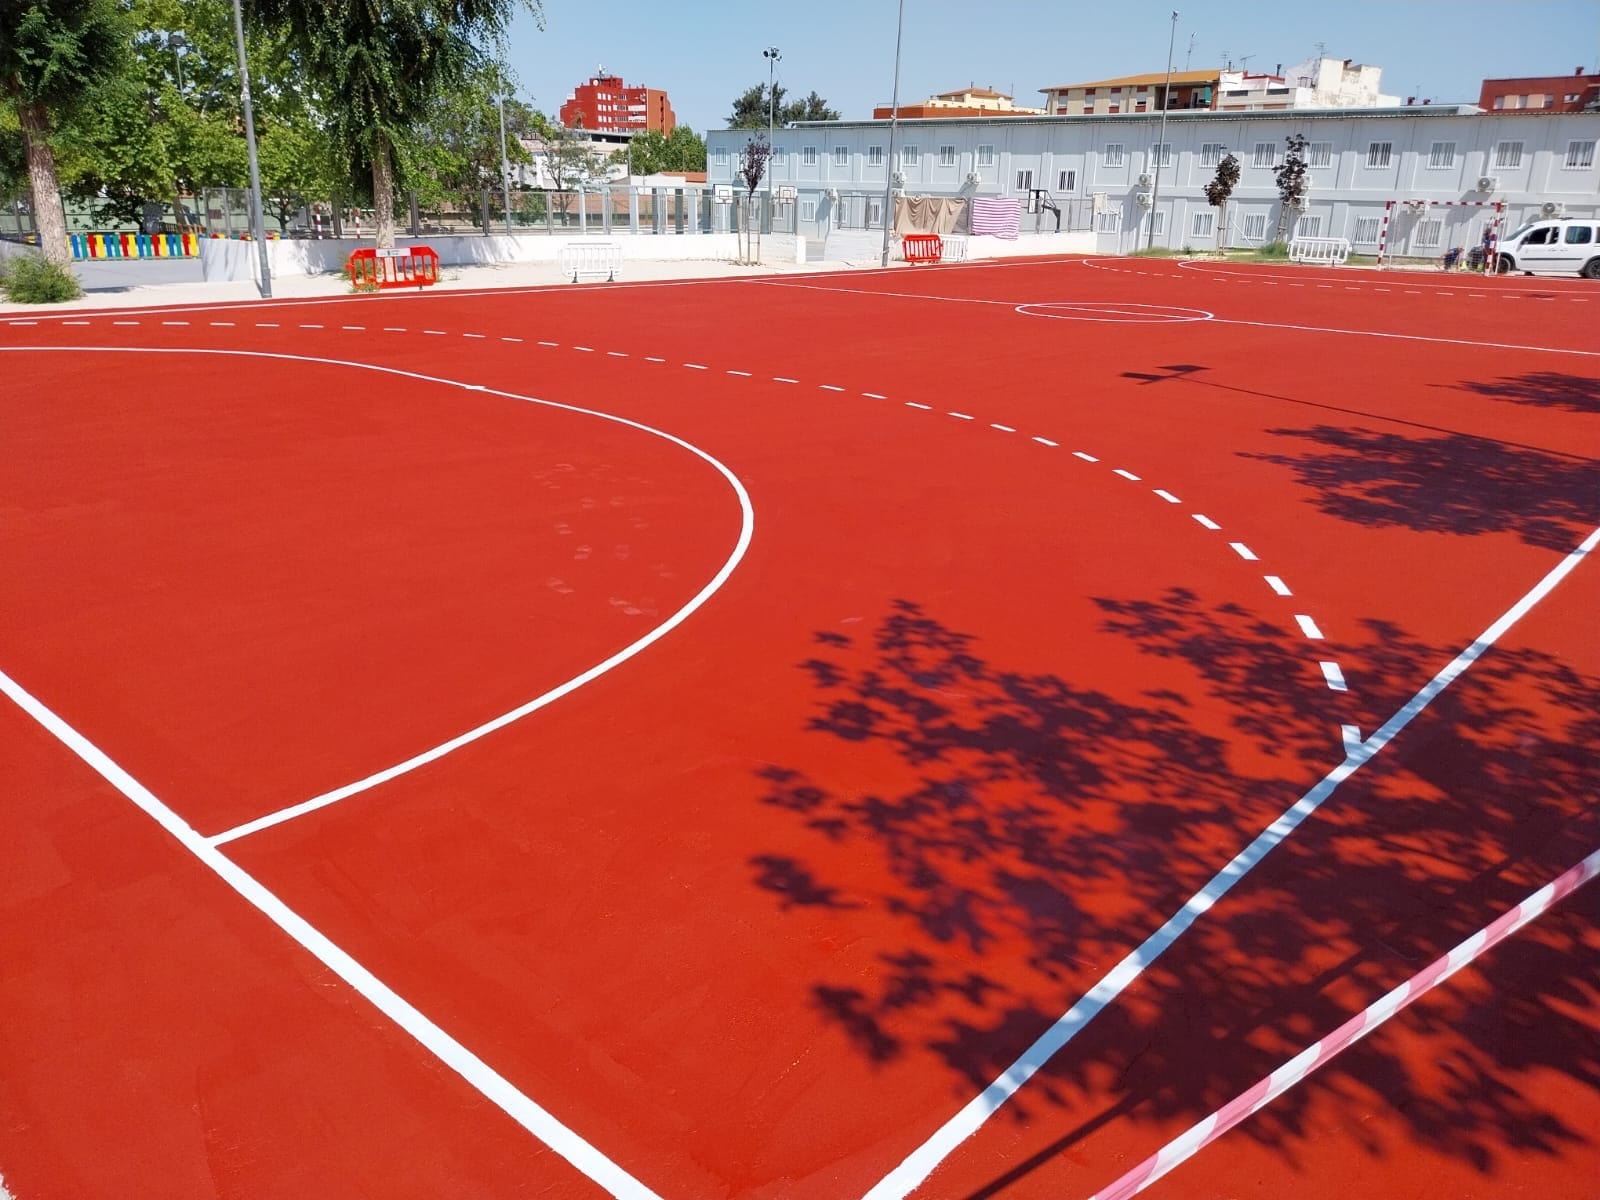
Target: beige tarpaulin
<point>929,214</point>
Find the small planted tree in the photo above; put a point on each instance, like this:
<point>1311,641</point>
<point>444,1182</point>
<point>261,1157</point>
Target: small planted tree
<point>1220,189</point>
<point>1293,182</point>
<point>753,169</point>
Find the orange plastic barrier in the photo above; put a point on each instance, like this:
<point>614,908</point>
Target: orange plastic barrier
<point>923,247</point>
<point>405,266</point>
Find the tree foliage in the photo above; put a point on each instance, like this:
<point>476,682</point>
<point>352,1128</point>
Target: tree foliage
<point>655,152</point>
<point>750,108</point>
<point>1292,180</point>
<point>1220,189</point>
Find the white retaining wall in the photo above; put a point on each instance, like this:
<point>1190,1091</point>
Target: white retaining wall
<point>866,245</point>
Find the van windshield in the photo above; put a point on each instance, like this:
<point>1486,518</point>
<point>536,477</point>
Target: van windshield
<point>1515,234</point>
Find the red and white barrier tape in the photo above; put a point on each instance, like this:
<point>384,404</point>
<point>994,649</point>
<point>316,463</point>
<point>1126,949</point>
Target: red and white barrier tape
<point>1357,1027</point>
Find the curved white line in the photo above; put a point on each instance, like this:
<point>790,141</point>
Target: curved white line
<point>698,600</point>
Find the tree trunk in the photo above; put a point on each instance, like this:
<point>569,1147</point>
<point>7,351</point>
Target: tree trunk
<point>383,192</point>
<point>48,217</point>
<point>1222,226</point>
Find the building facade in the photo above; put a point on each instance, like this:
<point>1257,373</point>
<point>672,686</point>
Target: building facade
<point>1132,94</point>
<point>1542,93</point>
<point>608,104</point>
<point>971,101</point>
<point>1100,171</point>
<point>1315,83</point>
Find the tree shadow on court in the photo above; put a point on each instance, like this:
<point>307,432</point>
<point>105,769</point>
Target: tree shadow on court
<point>1454,484</point>
<point>1544,389</point>
<point>1042,828</point>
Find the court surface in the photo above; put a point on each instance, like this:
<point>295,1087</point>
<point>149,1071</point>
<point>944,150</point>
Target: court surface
<point>788,737</point>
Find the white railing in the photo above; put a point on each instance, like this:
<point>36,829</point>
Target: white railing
<point>955,248</point>
<point>1319,250</point>
<point>594,259</point>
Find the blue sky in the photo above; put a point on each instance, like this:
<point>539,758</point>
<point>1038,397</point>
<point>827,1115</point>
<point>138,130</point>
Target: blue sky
<point>704,53</point>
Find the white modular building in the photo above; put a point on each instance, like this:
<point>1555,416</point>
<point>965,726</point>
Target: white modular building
<point>1099,173</point>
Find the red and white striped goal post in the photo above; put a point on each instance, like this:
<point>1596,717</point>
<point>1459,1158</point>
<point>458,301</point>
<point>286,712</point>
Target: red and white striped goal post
<point>1201,1135</point>
<point>1494,225</point>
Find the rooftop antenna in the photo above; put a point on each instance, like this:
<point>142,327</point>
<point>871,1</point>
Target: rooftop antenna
<point>1189,56</point>
<point>1227,61</point>
<point>1244,62</point>
<point>1322,50</point>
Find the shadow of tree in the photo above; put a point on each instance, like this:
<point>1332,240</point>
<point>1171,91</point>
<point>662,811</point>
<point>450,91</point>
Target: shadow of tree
<point>1546,389</point>
<point>1454,484</point>
<point>1047,827</point>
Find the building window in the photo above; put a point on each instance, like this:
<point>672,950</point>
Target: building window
<point>910,156</point>
<point>1204,224</point>
<point>1429,232</point>
<point>1113,154</point>
<point>1107,222</point>
<point>1068,182</point>
<point>1580,155</point>
<point>780,155</point>
<point>1572,97</point>
<point>808,210</point>
<point>874,156</point>
<point>808,156</point>
<point>1210,154</point>
<point>1499,101</point>
<point>1161,154</point>
<point>1158,223</point>
<point>1366,231</point>
<point>947,156</point>
<point>1441,156</point>
<point>1266,154</point>
<point>722,157</point>
<point>1024,181</point>
<point>1378,153</point>
<point>1308,227</point>
<point>986,156</point>
<point>1508,155</point>
<point>1255,226</point>
<point>1319,154</point>
<point>841,156</point>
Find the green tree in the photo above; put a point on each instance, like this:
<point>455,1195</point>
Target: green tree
<point>1220,189</point>
<point>681,150</point>
<point>1293,181</point>
<point>812,108</point>
<point>750,108</point>
<point>53,54</point>
<point>387,64</point>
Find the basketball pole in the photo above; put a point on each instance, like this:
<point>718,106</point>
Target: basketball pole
<point>1161,138</point>
<point>258,225</point>
<point>894,118</point>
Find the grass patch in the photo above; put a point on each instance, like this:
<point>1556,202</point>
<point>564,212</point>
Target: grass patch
<point>1158,252</point>
<point>29,279</point>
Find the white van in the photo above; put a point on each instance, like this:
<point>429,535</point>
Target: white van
<point>1562,246</point>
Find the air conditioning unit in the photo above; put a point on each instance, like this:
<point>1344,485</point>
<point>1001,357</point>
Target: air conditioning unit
<point>1144,199</point>
<point>899,179</point>
<point>1552,208</point>
<point>1144,181</point>
<point>1488,183</point>
<point>973,179</point>
<point>831,193</point>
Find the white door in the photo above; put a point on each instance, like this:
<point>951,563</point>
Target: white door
<point>1535,252</point>
<point>1575,248</point>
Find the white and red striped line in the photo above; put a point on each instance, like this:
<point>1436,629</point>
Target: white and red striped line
<point>1199,1136</point>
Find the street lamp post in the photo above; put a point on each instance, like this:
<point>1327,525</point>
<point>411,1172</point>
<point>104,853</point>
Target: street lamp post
<point>258,225</point>
<point>505,163</point>
<point>1161,138</point>
<point>894,118</point>
<point>772,56</point>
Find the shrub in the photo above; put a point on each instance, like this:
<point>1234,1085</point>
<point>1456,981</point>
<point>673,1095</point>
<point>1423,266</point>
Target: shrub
<point>29,279</point>
<point>1275,250</point>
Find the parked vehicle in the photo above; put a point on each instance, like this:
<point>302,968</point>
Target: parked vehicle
<point>1557,246</point>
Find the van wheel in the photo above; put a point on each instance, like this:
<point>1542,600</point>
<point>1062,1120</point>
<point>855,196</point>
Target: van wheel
<point>1591,269</point>
<point>1502,265</point>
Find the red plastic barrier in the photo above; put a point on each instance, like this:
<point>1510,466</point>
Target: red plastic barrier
<point>923,247</point>
<point>405,266</point>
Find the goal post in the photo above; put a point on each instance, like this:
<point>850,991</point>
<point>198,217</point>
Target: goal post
<point>1440,225</point>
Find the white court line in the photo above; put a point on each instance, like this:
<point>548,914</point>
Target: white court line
<point>1129,475</point>
<point>1308,627</point>
<point>584,349</point>
<point>1044,441</point>
<point>874,396</point>
<point>1334,676</point>
<point>922,1161</point>
<point>1410,337</point>
<point>558,345</point>
<point>648,358</point>
<point>86,322</point>
<point>783,379</point>
<point>1001,428</point>
<point>1087,457</point>
<point>698,600</point>
<point>1277,585</point>
<point>828,387</point>
<point>488,1082</point>
<point>470,335</point>
<point>1205,521</point>
<point>1167,496</point>
<point>1243,551</point>
<point>960,416</point>
<point>185,323</point>
<point>696,367</point>
<point>923,407</point>
<point>124,322</point>
<point>394,328</point>
<point>745,374</point>
<point>510,339</point>
<point>616,354</point>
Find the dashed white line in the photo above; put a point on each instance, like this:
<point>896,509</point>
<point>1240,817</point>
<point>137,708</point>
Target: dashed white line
<point>124,322</point>
<point>647,357</point>
<point>1001,428</point>
<point>615,354</point>
<point>1206,521</point>
<point>429,332</point>
<point>914,404</point>
<point>558,344</point>
<point>22,322</point>
<point>394,328</point>
<point>1043,441</point>
<point>1085,457</point>
<point>742,374</point>
<point>363,329</point>
<point>1126,474</point>
<point>783,379</point>
<point>1334,676</point>
<point>584,349</point>
<point>696,367</point>
<point>960,416</point>
<point>510,339</point>
<point>274,325</point>
<point>1277,585</point>
<point>185,323</point>
<point>85,322</point>
<point>470,335</point>
<point>1308,627</point>
<point>1167,496</point>
<point>874,396</point>
<point>1243,551</point>
<point>828,387</point>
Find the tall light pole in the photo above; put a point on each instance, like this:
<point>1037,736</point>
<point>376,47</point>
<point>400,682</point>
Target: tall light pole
<point>505,163</point>
<point>894,125</point>
<point>1161,138</point>
<point>258,225</point>
<point>772,56</point>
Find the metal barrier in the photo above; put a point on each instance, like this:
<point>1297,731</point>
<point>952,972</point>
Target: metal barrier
<point>590,258</point>
<point>403,266</point>
<point>921,248</point>
<point>1319,250</point>
<point>955,248</point>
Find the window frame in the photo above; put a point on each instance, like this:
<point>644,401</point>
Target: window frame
<point>947,156</point>
<point>1441,156</point>
<point>1211,153</point>
<point>1374,163</point>
<point>1271,149</point>
<point>808,156</point>
<point>1106,158</point>
<point>1502,161</point>
<point>875,156</point>
<point>841,156</point>
<point>1319,155</point>
<point>1573,152</point>
<point>985,156</point>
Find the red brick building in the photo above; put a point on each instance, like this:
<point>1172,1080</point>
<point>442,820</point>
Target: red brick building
<point>1541,93</point>
<point>605,102</point>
